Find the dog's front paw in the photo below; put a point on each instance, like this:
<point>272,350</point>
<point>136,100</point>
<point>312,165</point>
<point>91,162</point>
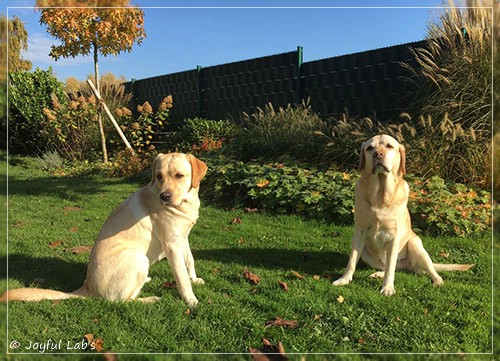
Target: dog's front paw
<point>388,290</point>
<point>344,280</point>
<point>192,302</point>
<point>438,282</point>
<point>197,281</point>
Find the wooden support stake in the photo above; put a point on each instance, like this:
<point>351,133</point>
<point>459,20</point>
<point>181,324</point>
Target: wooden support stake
<point>106,109</point>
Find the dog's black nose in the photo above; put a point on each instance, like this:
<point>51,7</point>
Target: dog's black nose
<point>166,196</point>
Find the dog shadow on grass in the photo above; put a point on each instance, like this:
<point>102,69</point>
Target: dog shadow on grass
<point>308,262</point>
<point>44,272</point>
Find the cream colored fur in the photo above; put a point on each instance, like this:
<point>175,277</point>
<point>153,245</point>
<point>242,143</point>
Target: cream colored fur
<point>383,237</point>
<point>152,224</point>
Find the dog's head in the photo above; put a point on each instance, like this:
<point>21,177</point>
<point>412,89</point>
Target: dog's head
<point>382,154</point>
<point>173,175</point>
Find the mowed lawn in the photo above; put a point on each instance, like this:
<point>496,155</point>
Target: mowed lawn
<point>52,221</point>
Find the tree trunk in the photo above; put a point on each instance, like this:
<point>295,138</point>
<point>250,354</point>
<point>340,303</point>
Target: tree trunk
<point>99,115</point>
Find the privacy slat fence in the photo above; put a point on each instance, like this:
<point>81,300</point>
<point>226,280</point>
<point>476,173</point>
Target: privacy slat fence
<point>366,83</point>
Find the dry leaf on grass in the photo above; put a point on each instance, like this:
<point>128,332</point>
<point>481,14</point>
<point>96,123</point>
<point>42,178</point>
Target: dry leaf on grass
<point>56,244</point>
<point>297,274</point>
<point>278,321</point>
<point>251,210</point>
<point>95,344</point>
<point>283,286</point>
<point>73,229</point>
<point>269,352</point>
<point>169,285</point>
<point>444,254</point>
<point>235,220</point>
<point>252,277</point>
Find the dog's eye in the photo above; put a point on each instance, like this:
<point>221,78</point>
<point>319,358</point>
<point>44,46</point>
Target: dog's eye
<point>179,176</point>
<point>159,176</point>
<point>389,146</point>
<point>369,148</point>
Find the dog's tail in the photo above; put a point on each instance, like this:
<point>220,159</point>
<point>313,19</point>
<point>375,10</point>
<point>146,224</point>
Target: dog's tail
<point>39,294</point>
<point>452,267</point>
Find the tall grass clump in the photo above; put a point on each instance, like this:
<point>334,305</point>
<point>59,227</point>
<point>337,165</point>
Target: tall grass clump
<point>111,88</point>
<point>453,72</point>
<point>434,146</point>
<point>274,134</point>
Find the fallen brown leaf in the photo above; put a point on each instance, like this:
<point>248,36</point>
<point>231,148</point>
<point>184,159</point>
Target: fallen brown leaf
<point>283,285</point>
<point>73,229</point>
<point>235,220</point>
<point>252,277</point>
<point>297,274</point>
<point>168,285</point>
<point>444,254</point>
<point>316,277</point>
<point>269,352</point>
<point>98,344</point>
<point>278,321</point>
<point>251,210</point>
<point>56,244</point>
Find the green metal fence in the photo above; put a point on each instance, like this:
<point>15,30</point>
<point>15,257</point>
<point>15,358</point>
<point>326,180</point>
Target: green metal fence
<point>366,83</point>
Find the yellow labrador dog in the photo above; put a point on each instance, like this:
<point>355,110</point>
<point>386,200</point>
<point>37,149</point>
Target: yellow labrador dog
<point>383,237</point>
<point>150,225</point>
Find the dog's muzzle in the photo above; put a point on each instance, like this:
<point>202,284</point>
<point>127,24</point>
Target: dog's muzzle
<point>380,165</point>
<point>166,197</point>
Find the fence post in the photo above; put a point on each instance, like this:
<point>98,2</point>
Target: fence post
<point>199,86</point>
<point>298,74</point>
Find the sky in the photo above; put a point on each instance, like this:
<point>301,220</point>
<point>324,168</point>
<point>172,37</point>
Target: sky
<point>184,34</point>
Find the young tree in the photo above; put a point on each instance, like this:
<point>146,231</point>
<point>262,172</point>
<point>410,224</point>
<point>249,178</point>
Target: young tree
<point>92,27</point>
<point>18,41</point>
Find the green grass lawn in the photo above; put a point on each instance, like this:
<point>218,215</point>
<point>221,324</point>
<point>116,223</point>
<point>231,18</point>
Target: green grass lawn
<point>50,216</point>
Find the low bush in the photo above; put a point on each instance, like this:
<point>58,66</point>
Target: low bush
<point>201,135</point>
<point>29,94</point>
<point>275,135</point>
<point>437,207</point>
<point>70,128</point>
<point>141,132</point>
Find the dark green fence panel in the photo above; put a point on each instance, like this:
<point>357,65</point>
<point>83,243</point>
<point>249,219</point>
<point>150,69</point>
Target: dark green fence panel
<point>369,83</point>
<point>182,86</point>
<point>230,89</point>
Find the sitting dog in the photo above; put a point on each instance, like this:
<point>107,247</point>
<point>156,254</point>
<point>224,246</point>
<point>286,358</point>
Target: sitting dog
<point>383,236</point>
<point>151,224</point>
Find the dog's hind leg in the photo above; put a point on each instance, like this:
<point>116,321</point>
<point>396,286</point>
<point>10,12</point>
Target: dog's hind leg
<point>419,260</point>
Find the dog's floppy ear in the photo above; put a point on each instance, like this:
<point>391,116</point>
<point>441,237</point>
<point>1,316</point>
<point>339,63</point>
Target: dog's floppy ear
<point>402,163</point>
<point>362,159</point>
<point>153,168</point>
<point>198,170</point>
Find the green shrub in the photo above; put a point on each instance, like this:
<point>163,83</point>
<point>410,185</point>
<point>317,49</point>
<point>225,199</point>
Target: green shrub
<point>277,134</point>
<point>201,135</point>
<point>141,132</point>
<point>71,128</point>
<point>436,207</point>
<point>29,94</point>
